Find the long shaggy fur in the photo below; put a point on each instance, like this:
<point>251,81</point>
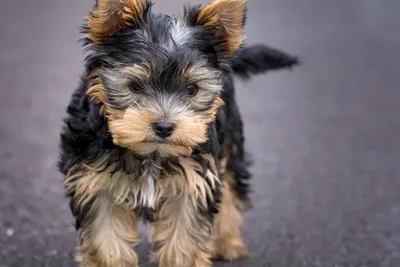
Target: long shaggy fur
<point>144,70</point>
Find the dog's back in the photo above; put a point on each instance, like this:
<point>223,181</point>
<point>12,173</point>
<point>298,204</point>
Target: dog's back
<point>247,61</point>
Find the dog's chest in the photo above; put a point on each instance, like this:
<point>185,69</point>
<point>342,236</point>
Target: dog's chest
<point>151,185</point>
<point>148,184</point>
<point>157,183</point>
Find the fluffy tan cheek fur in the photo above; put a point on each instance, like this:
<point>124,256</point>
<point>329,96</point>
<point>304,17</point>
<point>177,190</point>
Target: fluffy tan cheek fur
<point>130,127</point>
<point>192,129</point>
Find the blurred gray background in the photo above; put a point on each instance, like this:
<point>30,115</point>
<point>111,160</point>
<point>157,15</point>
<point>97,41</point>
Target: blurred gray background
<point>325,137</point>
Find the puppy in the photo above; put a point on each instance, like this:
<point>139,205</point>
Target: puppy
<point>154,133</point>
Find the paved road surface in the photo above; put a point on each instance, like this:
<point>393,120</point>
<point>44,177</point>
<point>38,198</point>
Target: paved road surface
<point>325,137</point>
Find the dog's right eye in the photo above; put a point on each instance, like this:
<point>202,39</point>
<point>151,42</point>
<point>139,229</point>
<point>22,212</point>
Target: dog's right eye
<point>192,90</point>
<point>136,87</point>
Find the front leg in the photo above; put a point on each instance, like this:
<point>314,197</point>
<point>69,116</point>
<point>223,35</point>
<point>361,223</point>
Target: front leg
<point>183,224</point>
<point>107,235</point>
<point>227,226</point>
<point>107,230</point>
<point>181,236</point>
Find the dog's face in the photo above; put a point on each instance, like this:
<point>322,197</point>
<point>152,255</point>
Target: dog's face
<point>159,78</point>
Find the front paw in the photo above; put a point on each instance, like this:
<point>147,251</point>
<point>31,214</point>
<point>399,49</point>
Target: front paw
<point>231,250</point>
<point>202,260</point>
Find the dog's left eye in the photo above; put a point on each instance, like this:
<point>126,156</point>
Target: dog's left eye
<point>192,90</point>
<point>136,87</point>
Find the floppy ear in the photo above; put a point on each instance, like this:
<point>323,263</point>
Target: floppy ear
<point>111,15</point>
<point>226,18</point>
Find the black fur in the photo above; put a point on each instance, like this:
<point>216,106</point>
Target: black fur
<point>257,59</point>
<point>85,136</point>
<point>230,135</point>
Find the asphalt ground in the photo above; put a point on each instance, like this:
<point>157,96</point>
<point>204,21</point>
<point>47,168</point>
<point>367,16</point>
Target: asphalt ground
<point>325,137</point>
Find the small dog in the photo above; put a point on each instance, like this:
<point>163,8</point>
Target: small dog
<point>154,132</point>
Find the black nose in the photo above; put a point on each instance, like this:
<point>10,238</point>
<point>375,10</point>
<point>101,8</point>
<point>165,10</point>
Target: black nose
<point>164,129</point>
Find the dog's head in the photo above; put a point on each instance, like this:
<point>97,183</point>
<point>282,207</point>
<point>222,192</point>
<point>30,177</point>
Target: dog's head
<point>159,78</point>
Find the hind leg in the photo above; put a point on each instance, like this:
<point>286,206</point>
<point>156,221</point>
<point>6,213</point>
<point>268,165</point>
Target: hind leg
<point>227,227</point>
<point>233,168</point>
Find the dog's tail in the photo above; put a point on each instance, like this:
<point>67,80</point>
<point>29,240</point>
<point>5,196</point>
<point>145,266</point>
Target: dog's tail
<point>257,59</point>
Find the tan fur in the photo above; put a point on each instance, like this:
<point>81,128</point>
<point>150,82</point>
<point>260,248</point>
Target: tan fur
<point>126,188</point>
<point>110,15</point>
<point>179,235</point>
<point>97,90</point>
<point>129,127</point>
<point>223,163</point>
<point>240,204</point>
<point>182,237</point>
<point>109,235</point>
<point>229,177</point>
<point>227,228</point>
<point>178,239</point>
<point>196,185</point>
<point>178,228</point>
<point>227,17</point>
